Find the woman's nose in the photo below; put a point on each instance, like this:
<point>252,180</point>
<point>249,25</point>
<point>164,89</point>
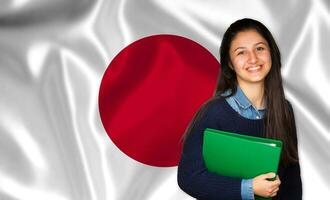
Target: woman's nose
<point>252,57</point>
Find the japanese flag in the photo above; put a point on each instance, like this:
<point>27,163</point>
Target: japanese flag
<point>95,95</point>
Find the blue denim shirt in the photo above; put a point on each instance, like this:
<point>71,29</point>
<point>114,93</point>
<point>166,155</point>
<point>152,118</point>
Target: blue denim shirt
<point>241,104</point>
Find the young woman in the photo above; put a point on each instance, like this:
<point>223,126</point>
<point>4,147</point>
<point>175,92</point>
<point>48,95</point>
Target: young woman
<point>249,99</point>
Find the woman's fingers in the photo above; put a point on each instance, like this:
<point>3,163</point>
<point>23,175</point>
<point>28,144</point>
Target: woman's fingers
<point>274,191</point>
<point>275,187</point>
<point>277,181</point>
<point>273,195</point>
<point>263,187</point>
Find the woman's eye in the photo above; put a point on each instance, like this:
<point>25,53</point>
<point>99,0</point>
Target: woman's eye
<point>260,48</point>
<point>240,53</point>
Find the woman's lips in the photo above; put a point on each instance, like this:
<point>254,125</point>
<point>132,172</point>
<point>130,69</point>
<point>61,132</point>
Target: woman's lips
<point>254,68</point>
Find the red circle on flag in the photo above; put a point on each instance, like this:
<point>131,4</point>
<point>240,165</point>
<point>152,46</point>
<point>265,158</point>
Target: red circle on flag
<point>150,92</point>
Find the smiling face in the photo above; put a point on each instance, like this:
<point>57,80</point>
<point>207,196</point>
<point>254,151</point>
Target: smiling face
<point>250,57</point>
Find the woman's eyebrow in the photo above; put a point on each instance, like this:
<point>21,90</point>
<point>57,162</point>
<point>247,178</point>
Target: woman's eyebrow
<point>254,45</point>
<point>260,43</point>
<point>239,48</point>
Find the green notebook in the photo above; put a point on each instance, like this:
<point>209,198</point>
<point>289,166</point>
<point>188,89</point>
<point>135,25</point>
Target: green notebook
<point>238,155</point>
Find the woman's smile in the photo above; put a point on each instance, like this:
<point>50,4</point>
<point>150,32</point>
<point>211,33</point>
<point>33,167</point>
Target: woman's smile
<point>250,57</point>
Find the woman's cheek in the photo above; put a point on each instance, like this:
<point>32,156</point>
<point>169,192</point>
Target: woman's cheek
<point>265,56</point>
<point>239,63</point>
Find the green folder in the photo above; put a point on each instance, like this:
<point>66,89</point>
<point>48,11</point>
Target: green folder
<point>242,156</point>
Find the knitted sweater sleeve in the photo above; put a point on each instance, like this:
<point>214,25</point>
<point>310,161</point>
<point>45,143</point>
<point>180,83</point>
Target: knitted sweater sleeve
<point>193,177</point>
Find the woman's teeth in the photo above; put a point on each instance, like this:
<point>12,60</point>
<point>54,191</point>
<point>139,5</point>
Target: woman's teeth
<point>254,68</point>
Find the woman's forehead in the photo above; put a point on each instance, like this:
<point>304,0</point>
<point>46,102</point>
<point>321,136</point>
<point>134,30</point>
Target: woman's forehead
<point>248,38</point>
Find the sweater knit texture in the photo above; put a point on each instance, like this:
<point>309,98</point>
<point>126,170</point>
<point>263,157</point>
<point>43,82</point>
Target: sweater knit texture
<point>198,182</point>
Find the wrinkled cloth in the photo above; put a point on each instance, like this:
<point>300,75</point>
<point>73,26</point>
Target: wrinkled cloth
<point>52,58</point>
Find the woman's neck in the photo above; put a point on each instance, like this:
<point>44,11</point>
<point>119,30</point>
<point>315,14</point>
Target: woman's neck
<point>255,93</point>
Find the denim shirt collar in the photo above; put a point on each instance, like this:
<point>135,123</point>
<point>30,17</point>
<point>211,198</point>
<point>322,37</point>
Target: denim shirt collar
<point>242,101</point>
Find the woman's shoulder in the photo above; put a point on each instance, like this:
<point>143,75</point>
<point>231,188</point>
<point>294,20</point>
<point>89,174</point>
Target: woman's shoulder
<point>215,106</point>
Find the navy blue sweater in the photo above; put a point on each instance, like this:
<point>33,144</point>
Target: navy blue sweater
<point>193,177</point>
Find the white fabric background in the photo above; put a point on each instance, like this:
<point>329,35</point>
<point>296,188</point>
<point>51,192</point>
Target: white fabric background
<point>52,58</point>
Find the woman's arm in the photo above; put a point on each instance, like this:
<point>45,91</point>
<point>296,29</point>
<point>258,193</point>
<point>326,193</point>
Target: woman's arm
<point>193,177</point>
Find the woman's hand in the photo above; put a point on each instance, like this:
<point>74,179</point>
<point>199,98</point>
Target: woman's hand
<point>265,188</point>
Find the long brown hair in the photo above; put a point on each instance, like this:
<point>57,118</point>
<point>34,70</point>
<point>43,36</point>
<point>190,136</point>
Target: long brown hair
<point>279,119</point>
